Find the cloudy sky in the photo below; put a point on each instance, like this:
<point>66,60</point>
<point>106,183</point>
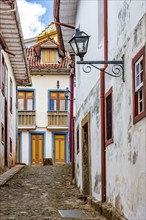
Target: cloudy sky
<point>35,15</point>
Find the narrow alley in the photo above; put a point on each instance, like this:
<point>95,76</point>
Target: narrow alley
<point>38,192</point>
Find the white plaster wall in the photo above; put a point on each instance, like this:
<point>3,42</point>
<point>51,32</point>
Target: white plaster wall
<point>11,117</point>
<point>42,84</point>
<point>126,189</point>
<point>126,157</point>
<point>88,95</point>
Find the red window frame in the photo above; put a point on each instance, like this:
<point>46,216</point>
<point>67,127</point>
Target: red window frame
<point>77,139</point>
<point>108,140</point>
<point>11,146</point>
<point>2,133</point>
<point>136,115</point>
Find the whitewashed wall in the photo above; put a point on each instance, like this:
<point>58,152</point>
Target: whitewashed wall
<point>88,94</point>
<point>11,118</point>
<point>126,157</point>
<point>42,84</point>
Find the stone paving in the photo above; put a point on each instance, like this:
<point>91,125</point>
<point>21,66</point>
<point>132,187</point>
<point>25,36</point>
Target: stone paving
<point>38,192</point>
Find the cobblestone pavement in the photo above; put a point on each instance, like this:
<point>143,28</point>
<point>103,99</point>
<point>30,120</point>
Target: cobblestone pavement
<point>38,192</point>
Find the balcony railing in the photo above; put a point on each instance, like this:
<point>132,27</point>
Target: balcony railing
<point>57,119</point>
<point>26,119</point>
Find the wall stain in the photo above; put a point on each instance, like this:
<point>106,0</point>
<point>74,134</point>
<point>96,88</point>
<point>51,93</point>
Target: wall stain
<point>97,183</point>
<point>118,203</point>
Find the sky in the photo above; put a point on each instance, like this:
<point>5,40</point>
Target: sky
<point>35,15</point>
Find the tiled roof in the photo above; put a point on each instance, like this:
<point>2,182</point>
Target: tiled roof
<point>44,41</point>
<point>35,62</point>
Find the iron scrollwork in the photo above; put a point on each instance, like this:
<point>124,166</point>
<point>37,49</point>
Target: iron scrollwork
<point>117,68</point>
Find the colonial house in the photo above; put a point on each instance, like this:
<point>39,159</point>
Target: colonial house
<point>110,123</point>
<point>43,111</point>
<point>13,72</point>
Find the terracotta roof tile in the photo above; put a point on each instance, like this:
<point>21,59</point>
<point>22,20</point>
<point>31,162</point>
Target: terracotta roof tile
<point>34,61</point>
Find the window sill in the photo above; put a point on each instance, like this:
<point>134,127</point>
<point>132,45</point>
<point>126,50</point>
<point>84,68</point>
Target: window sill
<point>108,142</point>
<point>137,118</point>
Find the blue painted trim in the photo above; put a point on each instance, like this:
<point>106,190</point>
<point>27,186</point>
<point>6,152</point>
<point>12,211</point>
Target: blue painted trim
<point>20,133</point>
<point>48,101</point>
<point>29,144</point>
<point>67,145</point>
<point>25,89</point>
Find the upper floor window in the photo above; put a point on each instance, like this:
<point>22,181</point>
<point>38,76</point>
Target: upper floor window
<point>108,119</point>
<point>25,100</point>
<point>49,55</point>
<point>138,86</point>
<point>57,101</point>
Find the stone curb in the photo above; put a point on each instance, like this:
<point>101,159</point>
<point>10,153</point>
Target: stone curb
<point>106,210</point>
<point>9,174</point>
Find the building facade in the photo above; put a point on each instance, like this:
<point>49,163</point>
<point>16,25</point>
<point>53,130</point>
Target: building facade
<point>43,117</point>
<point>13,72</point>
<point>110,123</point>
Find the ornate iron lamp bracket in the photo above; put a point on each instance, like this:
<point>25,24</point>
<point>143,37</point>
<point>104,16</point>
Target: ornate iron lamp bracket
<point>117,69</point>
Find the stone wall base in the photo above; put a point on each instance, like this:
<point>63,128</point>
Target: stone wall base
<point>106,210</point>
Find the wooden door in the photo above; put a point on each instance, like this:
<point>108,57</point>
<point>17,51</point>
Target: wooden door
<point>59,148</point>
<point>37,148</point>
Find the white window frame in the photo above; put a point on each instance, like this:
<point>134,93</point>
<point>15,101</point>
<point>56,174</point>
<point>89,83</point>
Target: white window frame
<point>138,75</point>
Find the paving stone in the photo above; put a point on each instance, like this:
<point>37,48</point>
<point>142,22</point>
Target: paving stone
<point>38,192</point>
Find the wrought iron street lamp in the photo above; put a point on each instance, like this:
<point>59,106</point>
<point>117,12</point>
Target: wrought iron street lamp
<point>79,44</point>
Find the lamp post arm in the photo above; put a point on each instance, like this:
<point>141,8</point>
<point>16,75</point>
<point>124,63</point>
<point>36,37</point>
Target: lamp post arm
<point>117,69</point>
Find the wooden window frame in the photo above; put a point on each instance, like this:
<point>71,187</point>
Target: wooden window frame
<point>25,100</point>
<point>57,101</point>
<point>77,139</point>
<point>2,133</point>
<point>110,140</point>
<point>136,115</point>
<point>11,147</point>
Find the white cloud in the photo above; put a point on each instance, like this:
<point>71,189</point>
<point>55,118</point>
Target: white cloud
<point>30,14</point>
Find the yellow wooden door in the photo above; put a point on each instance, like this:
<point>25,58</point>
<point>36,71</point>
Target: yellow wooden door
<point>59,148</point>
<point>37,149</point>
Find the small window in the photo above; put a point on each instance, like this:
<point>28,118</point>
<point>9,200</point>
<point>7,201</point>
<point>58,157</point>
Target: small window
<point>49,55</point>
<point>2,134</point>
<point>78,147</point>
<point>11,146</point>
<point>57,101</point>
<point>11,94</point>
<point>108,117</point>
<point>138,86</point>
<point>25,100</point>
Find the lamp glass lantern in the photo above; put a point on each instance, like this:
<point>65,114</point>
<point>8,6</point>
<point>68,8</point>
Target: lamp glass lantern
<point>79,43</point>
<point>67,92</point>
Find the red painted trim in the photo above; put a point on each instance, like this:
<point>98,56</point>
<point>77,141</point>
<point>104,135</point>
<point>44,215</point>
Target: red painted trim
<point>102,88</point>
<point>140,116</point>
<point>110,141</point>
<point>65,25</point>
<point>71,115</point>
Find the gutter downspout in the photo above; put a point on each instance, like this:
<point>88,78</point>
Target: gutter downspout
<point>102,102</point>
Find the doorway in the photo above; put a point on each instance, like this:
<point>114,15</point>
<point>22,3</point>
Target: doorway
<point>37,149</point>
<point>6,136</point>
<point>86,163</point>
<point>59,148</point>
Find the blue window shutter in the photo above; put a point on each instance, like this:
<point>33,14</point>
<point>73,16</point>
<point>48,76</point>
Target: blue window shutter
<point>51,104</point>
